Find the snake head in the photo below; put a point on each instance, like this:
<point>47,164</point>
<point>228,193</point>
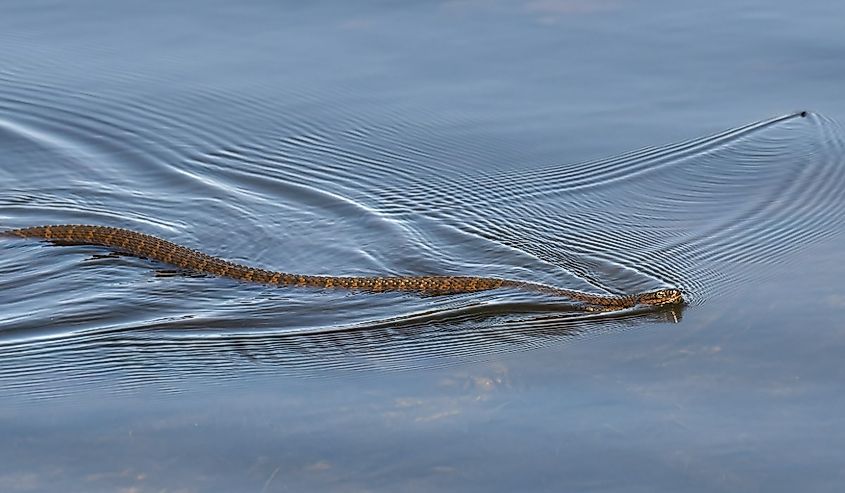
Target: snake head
<point>670,296</point>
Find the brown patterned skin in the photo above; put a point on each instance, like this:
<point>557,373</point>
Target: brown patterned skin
<point>148,246</point>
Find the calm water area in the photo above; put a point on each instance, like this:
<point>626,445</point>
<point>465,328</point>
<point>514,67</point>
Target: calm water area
<point>607,146</point>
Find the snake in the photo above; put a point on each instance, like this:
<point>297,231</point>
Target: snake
<point>152,247</point>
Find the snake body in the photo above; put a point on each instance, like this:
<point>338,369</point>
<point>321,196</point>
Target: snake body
<point>152,247</point>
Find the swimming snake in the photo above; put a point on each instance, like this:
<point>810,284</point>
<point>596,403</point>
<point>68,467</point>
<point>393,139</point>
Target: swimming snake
<point>148,246</point>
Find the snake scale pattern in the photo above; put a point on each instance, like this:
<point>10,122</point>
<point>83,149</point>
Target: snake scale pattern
<point>152,247</point>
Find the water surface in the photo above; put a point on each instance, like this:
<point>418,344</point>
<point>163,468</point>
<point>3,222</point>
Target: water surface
<point>610,147</point>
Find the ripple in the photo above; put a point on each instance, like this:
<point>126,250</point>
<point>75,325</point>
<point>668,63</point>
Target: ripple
<point>297,185</point>
<point>704,215</point>
<point>166,354</point>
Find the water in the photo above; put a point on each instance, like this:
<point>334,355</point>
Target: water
<point>608,147</point>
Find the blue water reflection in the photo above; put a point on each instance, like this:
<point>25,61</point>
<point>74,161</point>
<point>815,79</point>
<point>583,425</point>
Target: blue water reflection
<point>440,137</point>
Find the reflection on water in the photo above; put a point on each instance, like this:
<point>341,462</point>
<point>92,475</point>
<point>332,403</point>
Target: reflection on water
<point>191,348</point>
<point>454,138</point>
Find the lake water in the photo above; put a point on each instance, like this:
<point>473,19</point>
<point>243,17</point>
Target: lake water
<point>608,146</point>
